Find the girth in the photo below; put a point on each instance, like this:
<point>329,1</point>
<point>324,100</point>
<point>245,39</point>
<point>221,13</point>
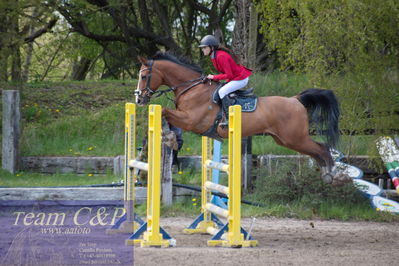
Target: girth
<point>212,131</point>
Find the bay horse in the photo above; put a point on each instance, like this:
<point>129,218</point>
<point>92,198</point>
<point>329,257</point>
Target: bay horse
<point>286,119</point>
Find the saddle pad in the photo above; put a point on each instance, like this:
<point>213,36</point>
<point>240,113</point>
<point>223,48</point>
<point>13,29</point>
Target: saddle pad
<point>248,104</point>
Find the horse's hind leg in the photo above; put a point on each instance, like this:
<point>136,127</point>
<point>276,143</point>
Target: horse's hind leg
<point>318,151</point>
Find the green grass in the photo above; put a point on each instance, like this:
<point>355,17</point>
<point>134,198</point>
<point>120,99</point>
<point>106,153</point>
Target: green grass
<point>280,83</point>
<point>26,179</point>
<point>299,210</point>
<point>91,133</point>
<point>326,211</point>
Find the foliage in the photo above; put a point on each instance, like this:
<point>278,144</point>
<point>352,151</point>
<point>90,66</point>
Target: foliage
<point>299,182</point>
<point>21,22</point>
<point>350,47</point>
<point>100,37</point>
<point>331,36</point>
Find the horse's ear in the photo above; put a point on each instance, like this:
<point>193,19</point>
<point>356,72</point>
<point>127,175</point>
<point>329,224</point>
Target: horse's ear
<point>142,60</point>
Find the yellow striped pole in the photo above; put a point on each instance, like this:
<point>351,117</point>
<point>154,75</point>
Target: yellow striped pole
<point>153,237</point>
<point>234,235</point>
<point>130,151</point>
<point>127,223</point>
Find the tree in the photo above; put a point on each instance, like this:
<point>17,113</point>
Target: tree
<point>351,47</point>
<point>21,22</point>
<point>139,27</point>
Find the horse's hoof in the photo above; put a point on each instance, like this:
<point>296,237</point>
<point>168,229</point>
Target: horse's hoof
<point>341,179</point>
<point>327,178</point>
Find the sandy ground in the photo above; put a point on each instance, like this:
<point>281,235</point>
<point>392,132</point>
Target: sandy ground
<point>283,242</point>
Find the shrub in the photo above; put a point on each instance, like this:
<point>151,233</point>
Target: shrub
<point>301,183</point>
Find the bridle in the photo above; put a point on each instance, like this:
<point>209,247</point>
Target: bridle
<point>158,93</point>
<point>148,80</point>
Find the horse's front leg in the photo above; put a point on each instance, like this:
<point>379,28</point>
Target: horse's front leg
<point>177,118</point>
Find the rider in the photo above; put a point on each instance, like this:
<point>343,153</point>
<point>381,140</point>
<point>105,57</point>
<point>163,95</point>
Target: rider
<point>229,67</point>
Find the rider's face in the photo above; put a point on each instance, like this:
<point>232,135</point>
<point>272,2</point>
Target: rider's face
<point>206,50</point>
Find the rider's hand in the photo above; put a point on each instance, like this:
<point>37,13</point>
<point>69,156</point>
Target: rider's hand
<point>209,77</point>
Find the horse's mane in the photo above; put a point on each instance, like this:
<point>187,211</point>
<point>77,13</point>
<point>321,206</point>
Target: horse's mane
<point>178,59</point>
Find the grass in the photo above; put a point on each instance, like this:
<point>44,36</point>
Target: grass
<point>26,179</point>
<point>91,133</point>
<point>327,211</point>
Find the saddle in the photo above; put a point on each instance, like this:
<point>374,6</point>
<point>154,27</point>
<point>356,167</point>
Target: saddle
<point>244,97</point>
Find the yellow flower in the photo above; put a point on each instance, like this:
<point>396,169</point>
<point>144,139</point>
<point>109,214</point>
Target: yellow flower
<point>90,148</point>
<point>188,149</point>
<point>194,204</point>
<point>57,110</point>
<point>19,174</point>
<point>194,199</point>
<point>180,172</point>
<point>90,175</point>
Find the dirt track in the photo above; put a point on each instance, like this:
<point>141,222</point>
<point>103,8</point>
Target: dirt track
<point>283,242</point>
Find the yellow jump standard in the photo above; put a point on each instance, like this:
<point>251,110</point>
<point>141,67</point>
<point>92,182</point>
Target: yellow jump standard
<point>153,234</point>
<point>230,234</point>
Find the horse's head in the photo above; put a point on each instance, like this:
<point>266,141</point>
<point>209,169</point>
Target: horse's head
<point>148,81</point>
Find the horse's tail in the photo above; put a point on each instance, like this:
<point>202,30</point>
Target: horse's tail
<point>323,109</point>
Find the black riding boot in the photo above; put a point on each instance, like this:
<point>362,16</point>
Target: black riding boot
<point>225,107</point>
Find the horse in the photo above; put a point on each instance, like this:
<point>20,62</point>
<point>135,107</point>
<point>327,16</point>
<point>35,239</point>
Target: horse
<point>285,119</point>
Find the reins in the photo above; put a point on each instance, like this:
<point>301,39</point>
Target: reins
<point>196,81</point>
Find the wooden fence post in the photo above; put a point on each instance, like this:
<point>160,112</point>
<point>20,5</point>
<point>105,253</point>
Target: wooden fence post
<point>11,130</point>
<point>169,140</point>
<point>246,151</point>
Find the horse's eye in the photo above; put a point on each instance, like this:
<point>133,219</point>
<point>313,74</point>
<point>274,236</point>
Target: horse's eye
<point>143,77</point>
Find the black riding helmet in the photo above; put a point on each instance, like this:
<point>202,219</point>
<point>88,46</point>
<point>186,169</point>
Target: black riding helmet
<point>209,40</point>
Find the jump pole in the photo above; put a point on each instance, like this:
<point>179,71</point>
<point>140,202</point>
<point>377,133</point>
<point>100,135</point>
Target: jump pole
<point>153,234</point>
<point>129,222</point>
<point>230,234</point>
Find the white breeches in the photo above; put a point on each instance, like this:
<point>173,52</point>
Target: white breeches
<point>232,86</point>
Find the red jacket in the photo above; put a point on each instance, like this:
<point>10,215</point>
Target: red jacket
<point>229,70</point>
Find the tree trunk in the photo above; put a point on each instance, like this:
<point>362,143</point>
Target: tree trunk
<point>241,30</point>
<point>252,36</point>
<point>81,68</point>
<point>28,60</point>
<point>3,65</point>
<point>16,63</point>
<point>15,50</point>
<point>29,51</point>
<point>248,43</point>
